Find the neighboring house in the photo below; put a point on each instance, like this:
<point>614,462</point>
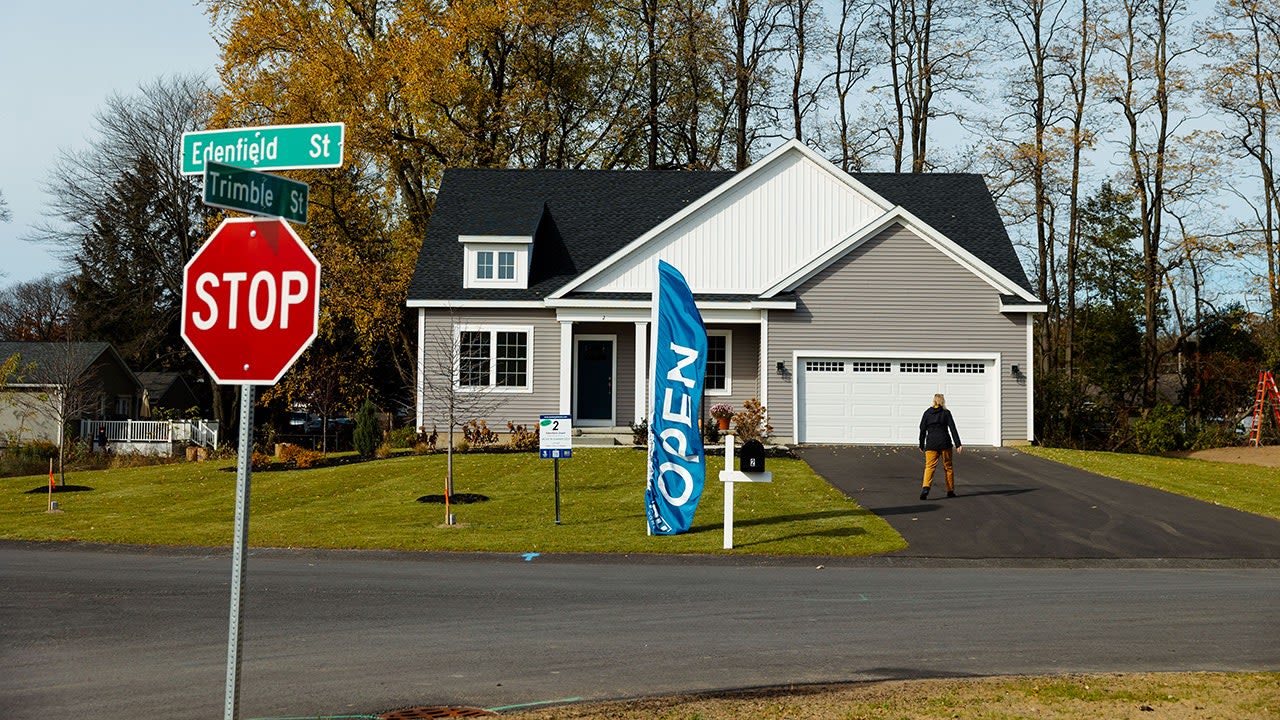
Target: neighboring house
<point>76,379</point>
<point>167,391</point>
<point>843,302</point>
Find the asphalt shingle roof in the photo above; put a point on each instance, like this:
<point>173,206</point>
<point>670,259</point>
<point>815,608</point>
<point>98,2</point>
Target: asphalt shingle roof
<point>581,217</point>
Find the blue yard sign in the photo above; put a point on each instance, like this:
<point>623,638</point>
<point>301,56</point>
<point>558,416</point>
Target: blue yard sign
<point>677,467</point>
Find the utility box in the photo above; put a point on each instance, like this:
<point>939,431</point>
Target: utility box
<point>752,457</point>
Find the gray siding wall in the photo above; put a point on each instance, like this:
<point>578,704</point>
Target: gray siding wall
<point>897,293</point>
<point>518,407</point>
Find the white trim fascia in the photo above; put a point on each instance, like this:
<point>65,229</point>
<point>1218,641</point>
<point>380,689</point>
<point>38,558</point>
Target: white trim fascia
<point>566,367</point>
<point>721,190</point>
<point>1030,307</point>
<point>639,393</point>
<point>420,377</point>
<point>497,239</point>
<point>595,307</point>
<point>734,313</point>
<point>942,243</point>
<point>477,304</point>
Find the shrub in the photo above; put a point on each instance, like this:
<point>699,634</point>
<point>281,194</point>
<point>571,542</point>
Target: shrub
<point>711,433</point>
<point>1162,429</point>
<point>522,438</point>
<point>405,437</point>
<point>383,451</point>
<point>640,433</point>
<point>477,433</point>
<point>367,435</point>
<point>753,422</point>
<point>260,460</point>
<point>299,456</point>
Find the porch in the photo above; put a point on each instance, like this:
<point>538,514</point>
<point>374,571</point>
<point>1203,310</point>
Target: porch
<point>152,437</point>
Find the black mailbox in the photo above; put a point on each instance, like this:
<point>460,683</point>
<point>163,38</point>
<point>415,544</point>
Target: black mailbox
<point>752,456</point>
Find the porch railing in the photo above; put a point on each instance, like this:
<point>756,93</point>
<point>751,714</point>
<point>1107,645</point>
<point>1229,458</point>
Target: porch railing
<point>200,432</point>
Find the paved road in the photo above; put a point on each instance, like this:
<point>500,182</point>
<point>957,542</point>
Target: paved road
<point>1014,505</point>
<point>125,634</point>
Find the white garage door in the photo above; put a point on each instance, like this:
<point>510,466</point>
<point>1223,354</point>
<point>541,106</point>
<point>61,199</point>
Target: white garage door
<point>879,402</point>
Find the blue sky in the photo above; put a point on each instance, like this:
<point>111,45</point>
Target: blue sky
<point>60,61</point>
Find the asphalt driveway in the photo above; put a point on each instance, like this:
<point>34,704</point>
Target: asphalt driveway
<point>1013,505</point>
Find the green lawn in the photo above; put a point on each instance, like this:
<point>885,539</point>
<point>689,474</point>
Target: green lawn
<point>1251,488</point>
<point>373,505</point>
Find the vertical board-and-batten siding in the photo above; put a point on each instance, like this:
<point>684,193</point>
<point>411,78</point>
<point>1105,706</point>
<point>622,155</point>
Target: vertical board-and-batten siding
<point>896,293</point>
<point>745,239</point>
<point>544,364</point>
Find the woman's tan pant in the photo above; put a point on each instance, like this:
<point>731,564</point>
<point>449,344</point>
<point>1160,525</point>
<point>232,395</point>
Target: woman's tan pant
<point>931,462</point>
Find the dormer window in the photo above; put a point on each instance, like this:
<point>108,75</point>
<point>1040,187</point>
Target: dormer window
<point>496,261</point>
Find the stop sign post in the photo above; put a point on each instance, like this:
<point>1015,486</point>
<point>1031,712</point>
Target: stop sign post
<point>250,307</point>
<point>250,301</point>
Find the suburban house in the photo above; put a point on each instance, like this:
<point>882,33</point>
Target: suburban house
<point>57,382</point>
<point>842,302</point>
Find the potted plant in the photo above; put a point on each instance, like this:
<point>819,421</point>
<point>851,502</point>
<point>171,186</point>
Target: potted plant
<point>722,412</point>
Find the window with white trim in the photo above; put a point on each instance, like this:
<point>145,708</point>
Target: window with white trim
<point>496,358</point>
<point>719,361</point>
<point>495,264</point>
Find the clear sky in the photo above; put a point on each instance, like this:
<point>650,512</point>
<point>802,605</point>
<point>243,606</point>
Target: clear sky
<point>59,61</point>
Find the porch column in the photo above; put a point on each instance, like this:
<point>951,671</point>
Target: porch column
<point>566,367</point>
<point>764,358</point>
<point>642,372</point>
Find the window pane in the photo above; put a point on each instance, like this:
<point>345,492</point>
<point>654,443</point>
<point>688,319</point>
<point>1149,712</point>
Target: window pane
<point>506,266</point>
<point>512,359</point>
<point>473,358</point>
<point>717,362</point>
<point>484,265</point>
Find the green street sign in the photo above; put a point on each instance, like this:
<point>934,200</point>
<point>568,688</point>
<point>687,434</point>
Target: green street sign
<point>254,192</point>
<point>268,147</point>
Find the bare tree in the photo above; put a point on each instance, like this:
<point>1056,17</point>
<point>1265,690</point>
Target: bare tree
<point>128,220</point>
<point>932,49</point>
<point>63,385</point>
<point>853,63</point>
<point>454,384</point>
<point>6,215</point>
<point>38,310</point>
<point>752,24</point>
<point>1146,86</point>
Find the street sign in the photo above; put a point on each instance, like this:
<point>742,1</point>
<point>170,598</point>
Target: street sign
<point>250,301</point>
<point>250,191</point>
<point>266,147</point>
<point>555,437</point>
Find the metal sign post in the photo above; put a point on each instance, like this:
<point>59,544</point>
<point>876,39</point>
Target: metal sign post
<point>555,441</point>
<point>244,468</point>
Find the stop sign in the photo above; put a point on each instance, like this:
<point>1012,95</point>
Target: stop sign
<point>250,301</point>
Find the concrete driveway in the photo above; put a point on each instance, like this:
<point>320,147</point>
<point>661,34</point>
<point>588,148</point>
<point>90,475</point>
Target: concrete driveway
<point>1013,505</point>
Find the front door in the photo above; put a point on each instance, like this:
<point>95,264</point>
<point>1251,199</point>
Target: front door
<point>593,366</point>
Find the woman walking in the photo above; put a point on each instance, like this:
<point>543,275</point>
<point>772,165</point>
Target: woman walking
<point>937,428</point>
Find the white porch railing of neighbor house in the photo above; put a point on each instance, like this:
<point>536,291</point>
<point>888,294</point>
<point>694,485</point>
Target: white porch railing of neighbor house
<point>130,433</point>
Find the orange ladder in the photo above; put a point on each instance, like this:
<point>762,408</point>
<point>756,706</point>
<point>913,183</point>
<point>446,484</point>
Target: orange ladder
<point>1266,390</point>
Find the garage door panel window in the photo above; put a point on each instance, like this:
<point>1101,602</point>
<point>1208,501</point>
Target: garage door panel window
<point>823,366</point>
<point>966,367</point>
<point>874,366</point>
<point>918,367</point>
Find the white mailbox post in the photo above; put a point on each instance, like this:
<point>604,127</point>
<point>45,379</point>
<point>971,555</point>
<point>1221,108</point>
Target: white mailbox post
<point>729,476</point>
